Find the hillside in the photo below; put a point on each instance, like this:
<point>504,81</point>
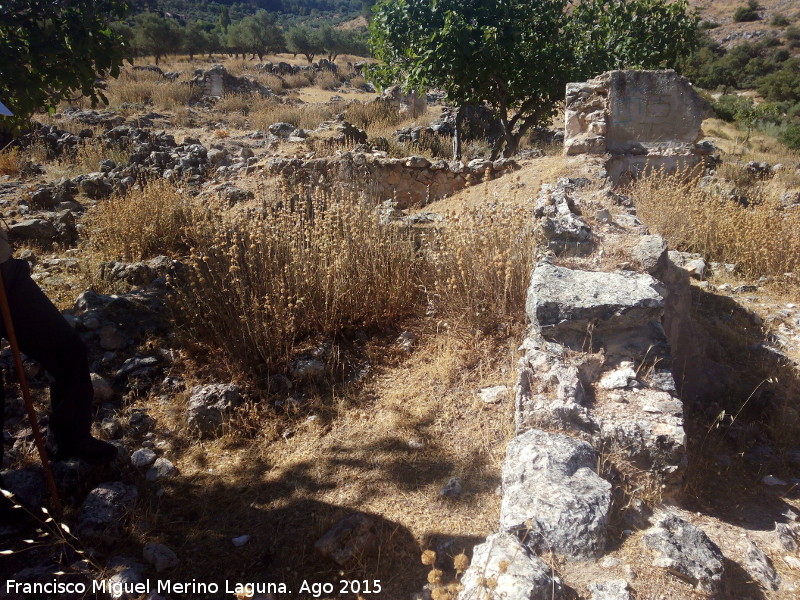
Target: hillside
<point>730,32</point>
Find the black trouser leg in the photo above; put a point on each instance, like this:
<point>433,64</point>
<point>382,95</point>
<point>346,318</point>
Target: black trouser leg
<point>44,335</point>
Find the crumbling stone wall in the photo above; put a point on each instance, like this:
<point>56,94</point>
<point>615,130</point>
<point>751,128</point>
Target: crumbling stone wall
<point>640,119</point>
<point>411,181</point>
<point>596,378</point>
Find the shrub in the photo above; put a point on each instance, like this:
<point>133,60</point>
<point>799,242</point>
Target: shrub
<point>313,264</point>
<point>779,20</point>
<point>760,239</point>
<point>791,136</point>
<point>142,223</point>
<point>729,107</point>
<point>747,13</point>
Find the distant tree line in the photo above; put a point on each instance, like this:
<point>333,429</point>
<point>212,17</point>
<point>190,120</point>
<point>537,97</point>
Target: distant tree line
<point>289,10</point>
<point>152,34</point>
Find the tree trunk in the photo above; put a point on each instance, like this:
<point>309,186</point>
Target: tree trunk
<point>458,133</point>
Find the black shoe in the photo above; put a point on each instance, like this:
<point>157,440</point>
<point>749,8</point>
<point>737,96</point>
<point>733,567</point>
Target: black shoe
<point>89,449</point>
<point>13,521</point>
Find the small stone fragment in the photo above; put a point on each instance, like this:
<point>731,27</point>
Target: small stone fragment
<point>494,394</point>
<point>160,556</point>
<point>348,539</point>
<point>616,589</point>
<point>144,457</point>
<point>452,489</point>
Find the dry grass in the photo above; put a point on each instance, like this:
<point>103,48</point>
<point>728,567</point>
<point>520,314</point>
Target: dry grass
<point>148,88</point>
<point>327,81</point>
<point>376,114</point>
<point>10,162</point>
<point>305,116</point>
<point>481,265</point>
<point>273,82</point>
<point>259,286</point>
<point>759,239</point>
<point>298,80</point>
<point>143,223</point>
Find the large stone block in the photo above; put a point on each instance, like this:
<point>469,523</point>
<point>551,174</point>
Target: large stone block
<point>552,496</point>
<point>651,107</point>
<point>578,307</point>
<point>502,568</point>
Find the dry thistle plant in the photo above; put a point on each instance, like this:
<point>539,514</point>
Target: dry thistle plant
<point>132,87</point>
<point>312,264</point>
<point>760,239</point>
<point>91,151</point>
<point>10,162</point>
<point>481,263</point>
<point>142,223</point>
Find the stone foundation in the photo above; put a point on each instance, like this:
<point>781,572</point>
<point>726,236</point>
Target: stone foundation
<point>412,181</point>
<point>641,120</point>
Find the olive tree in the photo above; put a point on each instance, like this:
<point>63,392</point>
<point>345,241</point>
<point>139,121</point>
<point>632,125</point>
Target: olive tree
<point>52,50</point>
<point>516,56</point>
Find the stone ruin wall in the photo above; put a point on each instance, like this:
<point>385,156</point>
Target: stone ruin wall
<point>410,182</point>
<point>600,362</point>
<point>595,378</point>
<point>638,119</point>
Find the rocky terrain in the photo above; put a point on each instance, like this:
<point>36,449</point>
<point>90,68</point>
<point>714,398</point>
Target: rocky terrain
<point>609,462</point>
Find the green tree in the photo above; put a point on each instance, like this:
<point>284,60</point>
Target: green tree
<point>305,41</point>
<point>517,58</point>
<point>195,39</point>
<point>153,34</point>
<point>53,50</point>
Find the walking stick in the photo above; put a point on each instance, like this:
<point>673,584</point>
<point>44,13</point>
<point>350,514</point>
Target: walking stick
<point>26,396</point>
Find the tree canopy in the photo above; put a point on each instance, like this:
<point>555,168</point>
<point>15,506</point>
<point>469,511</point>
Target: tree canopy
<point>517,56</point>
<point>54,49</point>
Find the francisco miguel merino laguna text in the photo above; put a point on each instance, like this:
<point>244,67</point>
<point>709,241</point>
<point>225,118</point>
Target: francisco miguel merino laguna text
<point>167,586</point>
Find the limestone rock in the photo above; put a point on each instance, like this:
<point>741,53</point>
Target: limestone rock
<point>616,589</point>
<point>103,390</point>
<point>103,512</point>
<point>493,394</point>
<point>552,495</point>
<point>143,457</point>
<point>502,568</point>
<point>349,539</point>
<point>161,469</point>
<point>160,556</point>
<point>210,405</point>
<point>650,253</point>
<point>558,223</point>
<point>687,551</point>
<point>649,425</point>
<point>760,567</point>
<point>572,307</point>
<point>27,484</point>
<point>788,535</point>
<point>33,230</point>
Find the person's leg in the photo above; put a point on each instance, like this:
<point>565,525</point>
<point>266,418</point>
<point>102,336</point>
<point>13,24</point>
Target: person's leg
<point>44,335</point>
